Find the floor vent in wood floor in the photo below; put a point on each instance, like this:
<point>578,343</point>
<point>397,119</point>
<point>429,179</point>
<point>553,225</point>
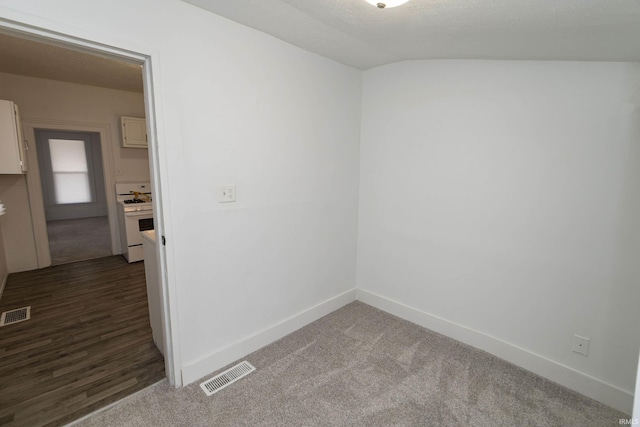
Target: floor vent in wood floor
<point>15,316</point>
<point>226,378</point>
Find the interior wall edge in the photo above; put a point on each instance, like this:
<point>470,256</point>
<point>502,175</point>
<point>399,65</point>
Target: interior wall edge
<point>580,382</point>
<point>636,402</point>
<point>29,266</point>
<point>4,271</point>
<point>197,370</point>
<point>4,283</point>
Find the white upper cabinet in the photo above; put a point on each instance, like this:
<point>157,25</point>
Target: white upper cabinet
<point>134,132</point>
<point>12,145</point>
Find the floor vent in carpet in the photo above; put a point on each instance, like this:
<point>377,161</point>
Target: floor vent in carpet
<point>226,378</point>
<point>15,316</point>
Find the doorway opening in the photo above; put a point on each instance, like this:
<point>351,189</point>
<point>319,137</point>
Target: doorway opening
<point>119,162</point>
<point>73,191</point>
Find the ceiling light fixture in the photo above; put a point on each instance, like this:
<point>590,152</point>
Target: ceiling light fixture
<point>385,4</point>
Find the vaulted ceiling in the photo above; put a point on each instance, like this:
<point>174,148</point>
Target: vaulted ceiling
<point>358,34</point>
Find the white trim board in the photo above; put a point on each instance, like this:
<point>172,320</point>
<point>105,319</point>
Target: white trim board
<point>587,385</point>
<point>636,404</point>
<point>227,355</point>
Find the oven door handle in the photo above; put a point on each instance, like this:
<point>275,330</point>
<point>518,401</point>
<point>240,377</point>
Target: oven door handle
<point>139,213</point>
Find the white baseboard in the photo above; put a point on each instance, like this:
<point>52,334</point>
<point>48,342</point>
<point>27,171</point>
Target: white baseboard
<point>220,359</point>
<point>587,385</point>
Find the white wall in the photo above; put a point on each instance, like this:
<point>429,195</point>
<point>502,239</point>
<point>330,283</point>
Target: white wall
<point>241,107</point>
<point>497,195</point>
<point>504,197</point>
<point>45,100</point>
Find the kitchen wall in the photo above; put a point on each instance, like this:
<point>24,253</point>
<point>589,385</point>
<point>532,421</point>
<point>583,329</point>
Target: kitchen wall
<point>236,106</point>
<point>17,237</point>
<point>46,100</point>
<point>54,100</point>
<point>4,273</point>
<point>499,204</point>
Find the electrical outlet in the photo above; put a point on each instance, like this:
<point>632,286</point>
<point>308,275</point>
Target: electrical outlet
<point>580,345</point>
<point>227,193</point>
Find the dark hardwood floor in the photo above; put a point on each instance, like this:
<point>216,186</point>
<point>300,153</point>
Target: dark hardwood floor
<point>88,342</point>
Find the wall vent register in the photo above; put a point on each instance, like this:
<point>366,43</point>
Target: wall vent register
<point>227,378</point>
<point>15,316</point>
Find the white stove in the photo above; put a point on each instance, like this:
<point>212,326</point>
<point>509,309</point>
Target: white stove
<point>135,215</point>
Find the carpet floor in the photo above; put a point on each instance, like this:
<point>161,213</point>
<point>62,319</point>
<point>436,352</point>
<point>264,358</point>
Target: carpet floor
<point>360,366</point>
<point>72,240</point>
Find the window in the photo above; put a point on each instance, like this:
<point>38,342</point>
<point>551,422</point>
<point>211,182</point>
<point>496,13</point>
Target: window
<point>71,174</point>
<point>70,171</point>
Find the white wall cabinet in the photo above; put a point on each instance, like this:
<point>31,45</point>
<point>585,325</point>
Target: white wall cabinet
<point>12,146</point>
<point>134,132</point>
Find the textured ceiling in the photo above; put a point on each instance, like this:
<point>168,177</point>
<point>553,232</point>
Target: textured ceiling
<point>358,34</point>
<point>355,33</point>
<point>34,59</point>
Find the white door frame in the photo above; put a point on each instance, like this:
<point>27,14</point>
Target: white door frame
<point>34,185</point>
<point>27,26</point>
<point>636,398</point>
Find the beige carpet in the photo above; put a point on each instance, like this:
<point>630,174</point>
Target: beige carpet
<point>361,367</point>
<point>79,239</point>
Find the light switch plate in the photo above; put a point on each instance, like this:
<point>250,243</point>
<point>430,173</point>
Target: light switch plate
<point>227,193</point>
<point>580,345</point>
